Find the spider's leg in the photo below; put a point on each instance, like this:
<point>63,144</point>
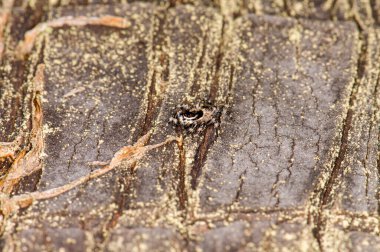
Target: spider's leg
<point>200,128</point>
<point>173,120</point>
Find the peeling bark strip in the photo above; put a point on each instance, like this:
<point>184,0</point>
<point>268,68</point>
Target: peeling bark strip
<point>29,161</point>
<point>8,150</point>
<point>5,12</point>
<point>130,154</point>
<point>87,126</point>
<point>26,46</point>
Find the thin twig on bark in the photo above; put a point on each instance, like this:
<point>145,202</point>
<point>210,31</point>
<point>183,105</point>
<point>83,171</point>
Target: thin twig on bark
<point>26,46</point>
<point>5,13</point>
<point>28,161</point>
<point>128,154</point>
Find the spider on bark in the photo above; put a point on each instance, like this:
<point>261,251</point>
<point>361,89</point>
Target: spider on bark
<point>197,118</point>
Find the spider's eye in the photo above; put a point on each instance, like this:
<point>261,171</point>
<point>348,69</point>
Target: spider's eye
<point>193,115</point>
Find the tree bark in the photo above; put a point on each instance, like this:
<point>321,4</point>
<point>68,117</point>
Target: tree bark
<point>91,159</point>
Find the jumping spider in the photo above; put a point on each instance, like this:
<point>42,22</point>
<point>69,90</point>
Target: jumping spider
<point>196,118</point>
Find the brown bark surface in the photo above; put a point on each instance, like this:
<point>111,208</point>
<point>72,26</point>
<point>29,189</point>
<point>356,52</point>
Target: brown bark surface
<point>89,160</point>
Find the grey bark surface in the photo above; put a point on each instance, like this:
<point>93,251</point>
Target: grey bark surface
<point>292,165</point>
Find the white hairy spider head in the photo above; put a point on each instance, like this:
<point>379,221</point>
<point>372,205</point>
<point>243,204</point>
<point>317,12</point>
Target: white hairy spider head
<point>196,118</point>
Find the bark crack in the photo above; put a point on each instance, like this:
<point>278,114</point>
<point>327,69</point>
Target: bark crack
<point>241,183</point>
<point>84,129</point>
<point>181,190</point>
<point>326,194</point>
<point>210,134</point>
<point>155,92</point>
<point>160,72</point>
<point>98,144</point>
<point>196,81</point>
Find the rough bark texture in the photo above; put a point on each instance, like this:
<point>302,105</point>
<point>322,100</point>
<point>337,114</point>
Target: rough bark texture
<point>292,163</point>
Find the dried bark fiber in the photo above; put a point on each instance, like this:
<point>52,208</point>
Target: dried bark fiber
<point>89,160</point>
